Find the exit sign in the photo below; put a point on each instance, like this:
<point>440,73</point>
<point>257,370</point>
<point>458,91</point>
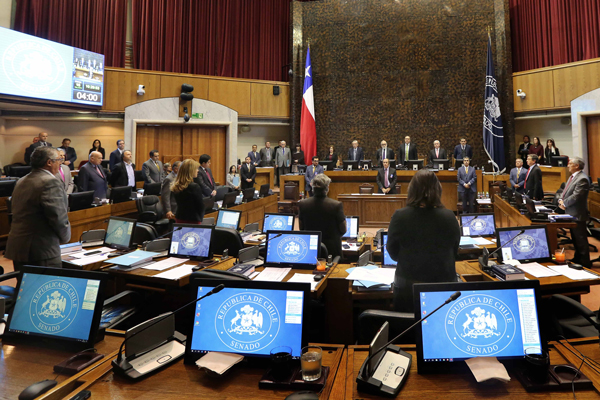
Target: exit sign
<point>198,115</point>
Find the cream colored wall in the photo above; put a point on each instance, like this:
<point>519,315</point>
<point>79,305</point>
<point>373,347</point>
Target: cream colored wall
<point>16,135</point>
<point>5,13</point>
<point>546,128</point>
<point>258,135</point>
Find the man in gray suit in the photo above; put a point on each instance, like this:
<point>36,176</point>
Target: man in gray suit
<point>312,171</point>
<point>283,160</point>
<point>40,222</point>
<point>467,185</point>
<point>517,176</point>
<point>153,169</point>
<point>267,157</point>
<point>166,196</point>
<point>574,202</point>
<point>64,173</point>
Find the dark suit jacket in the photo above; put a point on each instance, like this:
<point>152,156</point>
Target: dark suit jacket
<point>30,150</point>
<point>533,183</point>
<point>246,173</point>
<point>412,153</point>
<point>254,159</point>
<point>115,158</point>
<point>548,155</point>
<point>392,178</point>
<point>334,157</point>
<point>203,181</point>
<point>119,175</point>
<point>575,197</point>
<point>432,156</point>
<point>190,203</point>
<point>90,180</point>
<point>524,150</point>
<point>327,216</point>
<point>389,155</point>
<point>40,222</point>
<point>459,154</point>
<point>70,155</point>
<point>100,150</point>
<point>263,157</point>
<point>470,178</point>
<point>360,155</point>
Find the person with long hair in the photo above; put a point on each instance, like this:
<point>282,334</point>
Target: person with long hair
<point>188,194</point>
<point>550,151</point>
<point>538,149</point>
<point>331,155</point>
<point>423,238</point>
<point>231,175</point>
<point>97,146</point>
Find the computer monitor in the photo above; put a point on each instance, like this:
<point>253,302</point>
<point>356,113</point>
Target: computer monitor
<point>278,222</point>
<point>530,246</point>
<point>105,164</point>
<point>248,194</point>
<point>489,319</point>
<point>57,307</point>
<point>7,187</point>
<point>441,164</point>
<point>229,199</point>
<point>20,171</point>
<point>209,204</point>
<point>119,233</point>
<point>120,194</point>
<point>293,249</point>
<point>478,224</point>
<point>301,169</point>
<point>387,260</point>
<point>351,227</point>
<point>414,165</point>
<point>350,165</point>
<point>458,163</point>
<point>559,161</point>
<point>81,200</point>
<point>327,165</point>
<point>249,318</point>
<point>264,190</point>
<point>229,219</point>
<point>191,241</point>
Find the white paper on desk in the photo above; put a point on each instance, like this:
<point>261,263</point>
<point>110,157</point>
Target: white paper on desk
<point>541,208</point>
<point>305,278</point>
<point>81,254</point>
<point>271,274</point>
<point>384,275</point>
<point>218,362</point>
<point>537,270</point>
<point>482,241</point>
<point>176,273</point>
<point>484,201</point>
<point>464,240</point>
<point>573,273</point>
<point>380,275</point>
<point>166,263</point>
<point>514,263</point>
<point>89,260</point>
<point>485,368</point>
<point>377,194</point>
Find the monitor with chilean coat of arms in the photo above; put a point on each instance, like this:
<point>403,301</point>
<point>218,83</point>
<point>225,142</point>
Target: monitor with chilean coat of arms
<point>293,249</point>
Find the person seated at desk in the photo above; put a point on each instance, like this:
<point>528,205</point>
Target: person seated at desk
<point>437,153</point>
<point>188,194</point>
<point>423,238</point>
<point>355,153</point>
<point>321,213</point>
<point>386,178</point>
<point>311,172</point>
<point>92,177</point>
<point>550,151</point>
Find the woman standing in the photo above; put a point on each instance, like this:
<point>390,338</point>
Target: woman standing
<point>188,194</point>
<point>298,156</point>
<point>331,155</point>
<point>233,178</point>
<point>97,146</point>
<point>537,148</point>
<point>550,151</point>
<point>423,238</point>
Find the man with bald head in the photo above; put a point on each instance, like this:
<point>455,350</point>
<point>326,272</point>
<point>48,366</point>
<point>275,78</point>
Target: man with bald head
<point>92,177</point>
<point>42,141</point>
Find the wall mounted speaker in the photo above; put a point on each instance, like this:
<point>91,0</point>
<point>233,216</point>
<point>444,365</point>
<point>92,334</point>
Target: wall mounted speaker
<point>276,90</point>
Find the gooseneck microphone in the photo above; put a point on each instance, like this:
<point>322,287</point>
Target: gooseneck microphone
<point>162,236</point>
<point>483,260</point>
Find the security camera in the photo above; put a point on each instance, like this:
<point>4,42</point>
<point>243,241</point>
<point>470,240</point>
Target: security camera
<point>141,90</point>
<point>521,93</point>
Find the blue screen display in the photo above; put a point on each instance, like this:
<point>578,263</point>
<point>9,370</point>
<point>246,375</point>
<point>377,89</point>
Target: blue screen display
<point>277,222</point>
<point>387,260</point>
<point>351,227</point>
<point>55,305</point>
<point>191,242</point>
<point>296,248</point>
<point>118,233</point>
<point>42,69</point>
<point>228,219</point>
<point>533,244</point>
<point>482,323</point>
<point>478,225</point>
<point>248,321</point>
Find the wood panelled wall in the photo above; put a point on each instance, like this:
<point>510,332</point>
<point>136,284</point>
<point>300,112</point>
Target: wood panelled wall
<point>593,141</point>
<point>178,142</point>
<point>250,98</point>
<point>555,87</point>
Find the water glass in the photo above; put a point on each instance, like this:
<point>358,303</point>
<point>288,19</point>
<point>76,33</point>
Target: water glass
<point>310,362</point>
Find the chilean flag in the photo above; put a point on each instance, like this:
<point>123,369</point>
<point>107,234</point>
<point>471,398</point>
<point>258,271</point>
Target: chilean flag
<point>308,129</point>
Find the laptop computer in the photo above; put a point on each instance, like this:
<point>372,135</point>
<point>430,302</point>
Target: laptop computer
<point>293,249</point>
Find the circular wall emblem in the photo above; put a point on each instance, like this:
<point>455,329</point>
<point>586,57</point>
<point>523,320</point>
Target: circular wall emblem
<point>524,243</point>
<point>292,248</point>
<point>54,306</point>
<point>190,240</point>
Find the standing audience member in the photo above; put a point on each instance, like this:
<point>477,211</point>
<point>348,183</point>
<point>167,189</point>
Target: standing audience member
<point>267,155</point>
<point>166,169</point>
<point>248,174</point>
<point>64,173</point>
<point>115,156</point>
<point>331,156</point>
<point>321,213</point>
<point>537,149</point>
<point>205,177</point>
<point>311,172</point>
<point>386,178</point>
<point>574,201</point>
<point>407,151</point>
<point>40,222</point>
<point>550,151</point>
<point>384,153</point>
<point>532,186</point>
<point>167,197</point>
<point>355,153</point>
<point>152,170</point>
<point>463,150</point>
<point>254,156</point>
<point>97,146</point>
<point>70,154</point>
<point>467,185</point>
<point>41,141</point>
<point>188,194</point>
<point>283,160</point>
<point>92,177</point>
<point>423,238</point>
<point>232,182</point>
<point>517,176</point>
<point>123,173</point>
<point>437,153</point>
<point>524,148</point>
<point>298,156</point>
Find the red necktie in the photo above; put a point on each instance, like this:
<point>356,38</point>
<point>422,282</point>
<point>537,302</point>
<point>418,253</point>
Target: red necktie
<point>527,176</point>
<point>98,171</point>
<point>208,175</point>
<point>62,174</point>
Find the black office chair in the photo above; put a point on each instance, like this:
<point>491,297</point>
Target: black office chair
<point>143,233</point>
<point>20,171</point>
<point>369,322</point>
<point>209,204</point>
<point>8,292</point>
<point>152,189</point>
<point>151,211</point>
<point>138,175</point>
<point>6,187</point>
<point>323,252</point>
<point>571,319</point>
<point>227,238</point>
<point>221,192</point>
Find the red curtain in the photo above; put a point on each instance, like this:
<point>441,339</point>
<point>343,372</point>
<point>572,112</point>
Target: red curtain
<point>552,32</point>
<point>234,38</point>
<point>94,25</point>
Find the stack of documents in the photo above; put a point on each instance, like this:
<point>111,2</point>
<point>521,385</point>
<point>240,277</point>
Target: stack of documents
<point>480,241</point>
<point>372,277</point>
<point>271,274</point>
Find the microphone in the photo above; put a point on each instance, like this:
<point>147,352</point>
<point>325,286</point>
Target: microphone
<point>161,236</point>
<point>483,260</point>
<point>94,227</point>
<point>271,238</point>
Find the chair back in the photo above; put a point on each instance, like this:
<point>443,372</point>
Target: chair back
<point>208,221</point>
<point>398,188</point>
<point>226,238</point>
<point>291,192</point>
<point>143,233</point>
<point>323,252</point>
<point>139,175</point>
<point>221,192</point>
<point>152,189</point>
<point>150,209</point>
<point>369,322</point>
<point>366,188</point>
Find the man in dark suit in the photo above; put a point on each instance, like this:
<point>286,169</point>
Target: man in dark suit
<point>533,180</point>
<point>40,222</point>
<point>355,153</point>
<point>267,156</point>
<point>248,174</point>
<point>407,151</point>
<point>166,196</point>
<point>115,156</point>
<point>254,156</point>
<point>384,153</point>
<point>92,177</point>
<point>524,148</point>
<point>321,213</point>
<point>205,177</point>
<point>70,154</point>
<point>463,150</point>
<point>386,178</point>
<point>437,153</point>
<point>311,172</point>
<point>152,170</point>
<point>42,141</point>
<point>467,185</point>
<point>574,202</point>
<point>123,173</point>
<point>517,176</point>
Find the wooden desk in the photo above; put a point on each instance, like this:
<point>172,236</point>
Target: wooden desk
<point>292,178</point>
<point>553,177</point>
<point>253,211</point>
<point>488,179</point>
<point>263,176</point>
<point>451,386</point>
<point>593,204</point>
<point>91,218</point>
<point>374,210</point>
